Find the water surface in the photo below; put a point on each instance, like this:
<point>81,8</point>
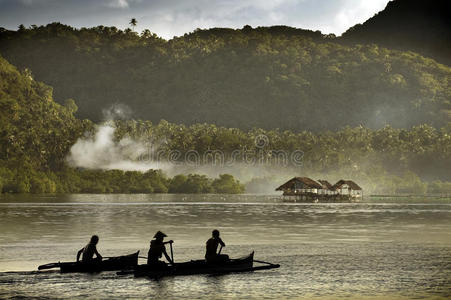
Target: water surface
<point>369,250</point>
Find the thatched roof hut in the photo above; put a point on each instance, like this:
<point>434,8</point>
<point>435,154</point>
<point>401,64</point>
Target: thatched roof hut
<point>347,183</point>
<point>299,183</point>
<point>325,184</point>
<point>307,189</point>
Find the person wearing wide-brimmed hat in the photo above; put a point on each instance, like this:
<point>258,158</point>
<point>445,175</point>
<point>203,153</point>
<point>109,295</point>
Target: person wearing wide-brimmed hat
<point>157,249</point>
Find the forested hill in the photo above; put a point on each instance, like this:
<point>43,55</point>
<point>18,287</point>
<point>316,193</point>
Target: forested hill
<point>423,26</point>
<point>276,77</point>
<point>36,135</point>
<point>35,132</point>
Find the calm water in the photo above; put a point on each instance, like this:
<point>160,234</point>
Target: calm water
<point>326,251</point>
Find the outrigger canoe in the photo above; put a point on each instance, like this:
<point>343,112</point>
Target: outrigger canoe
<point>195,267</point>
<point>125,262</point>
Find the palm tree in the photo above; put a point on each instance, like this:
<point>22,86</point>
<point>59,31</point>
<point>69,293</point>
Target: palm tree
<point>133,22</point>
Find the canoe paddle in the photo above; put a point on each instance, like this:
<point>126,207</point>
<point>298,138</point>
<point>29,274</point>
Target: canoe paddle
<point>172,254</point>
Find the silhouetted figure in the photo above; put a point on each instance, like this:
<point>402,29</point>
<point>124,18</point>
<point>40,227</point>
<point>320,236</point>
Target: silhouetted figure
<point>157,249</point>
<point>89,250</point>
<point>212,247</point>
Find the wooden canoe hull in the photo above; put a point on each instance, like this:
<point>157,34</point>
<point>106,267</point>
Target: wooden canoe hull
<point>125,262</point>
<point>196,267</point>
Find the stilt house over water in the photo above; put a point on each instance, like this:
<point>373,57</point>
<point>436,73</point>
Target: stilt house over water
<point>348,187</point>
<point>300,185</point>
<point>327,188</point>
<point>307,189</point>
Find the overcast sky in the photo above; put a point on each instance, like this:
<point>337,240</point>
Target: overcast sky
<point>170,18</point>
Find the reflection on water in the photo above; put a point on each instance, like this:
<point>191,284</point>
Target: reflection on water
<point>325,250</point>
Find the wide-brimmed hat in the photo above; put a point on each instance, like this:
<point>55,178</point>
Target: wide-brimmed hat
<point>159,234</point>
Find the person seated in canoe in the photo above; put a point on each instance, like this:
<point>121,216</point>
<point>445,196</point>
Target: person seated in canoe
<point>157,249</point>
<point>211,254</point>
<point>89,250</point>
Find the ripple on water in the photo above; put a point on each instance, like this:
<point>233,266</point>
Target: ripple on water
<point>390,250</point>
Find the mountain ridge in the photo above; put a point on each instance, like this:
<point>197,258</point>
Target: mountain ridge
<point>416,25</point>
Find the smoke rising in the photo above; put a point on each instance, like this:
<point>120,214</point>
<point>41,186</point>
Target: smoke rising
<point>117,111</point>
<point>102,152</point>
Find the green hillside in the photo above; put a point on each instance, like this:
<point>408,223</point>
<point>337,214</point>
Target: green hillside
<point>37,133</point>
<point>276,77</point>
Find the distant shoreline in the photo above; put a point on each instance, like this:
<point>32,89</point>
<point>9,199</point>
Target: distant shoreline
<point>411,196</point>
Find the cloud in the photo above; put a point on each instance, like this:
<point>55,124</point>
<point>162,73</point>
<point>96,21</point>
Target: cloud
<point>118,3</point>
<point>356,12</point>
<point>176,17</point>
<point>27,2</point>
<point>121,3</point>
<point>325,15</point>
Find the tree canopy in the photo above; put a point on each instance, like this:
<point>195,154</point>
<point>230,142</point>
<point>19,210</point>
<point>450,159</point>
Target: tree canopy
<point>267,77</point>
